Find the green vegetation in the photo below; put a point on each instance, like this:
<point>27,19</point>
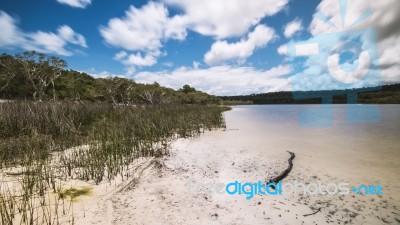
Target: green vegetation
<point>236,102</point>
<point>63,124</point>
<point>30,131</point>
<point>53,142</point>
<point>35,76</point>
<point>73,193</point>
<point>387,94</point>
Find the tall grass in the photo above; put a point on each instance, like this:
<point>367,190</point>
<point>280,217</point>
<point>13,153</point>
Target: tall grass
<point>102,142</point>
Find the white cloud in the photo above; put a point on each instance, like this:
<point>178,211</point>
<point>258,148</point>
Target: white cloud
<point>196,65</point>
<point>222,51</point>
<point>120,55</point>
<point>168,64</point>
<point>139,60</point>
<point>76,3</point>
<point>104,74</point>
<point>292,28</point>
<point>142,31</point>
<point>10,35</point>
<point>222,80</point>
<point>390,58</point>
<point>134,60</point>
<point>384,18</point>
<point>69,35</point>
<point>282,50</point>
<point>336,69</point>
<point>46,42</point>
<point>226,18</point>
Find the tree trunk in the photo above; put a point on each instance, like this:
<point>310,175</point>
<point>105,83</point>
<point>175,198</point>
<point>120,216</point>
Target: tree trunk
<point>54,92</point>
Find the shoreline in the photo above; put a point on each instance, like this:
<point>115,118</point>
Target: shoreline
<point>161,195</point>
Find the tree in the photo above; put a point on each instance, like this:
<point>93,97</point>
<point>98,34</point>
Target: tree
<point>8,70</point>
<point>118,90</point>
<point>76,86</point>
<point>153,94</point>
<point>30,74</point>
<point>187,89</point>
<point>40,70</point>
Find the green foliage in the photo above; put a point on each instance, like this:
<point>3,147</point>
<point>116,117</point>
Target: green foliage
<point>12,83</point>
<point>75,86</point>
<point>187,89</point>
<point>17,81</point>
<point>31,131</point>
<point>53,142</point>
<point>236,102</point>
<point>73,193</point>
<point>386,94</point>
<point>39,69</point>
<point>72,132</point>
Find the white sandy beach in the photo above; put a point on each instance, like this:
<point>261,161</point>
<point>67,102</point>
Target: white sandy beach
<point>253,149</point>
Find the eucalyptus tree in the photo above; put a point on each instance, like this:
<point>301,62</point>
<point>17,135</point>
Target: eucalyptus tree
<point>8,70</point>
<point>40,70</point>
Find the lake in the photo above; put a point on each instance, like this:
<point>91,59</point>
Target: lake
<point>253,148</point>
<point>367,152</point>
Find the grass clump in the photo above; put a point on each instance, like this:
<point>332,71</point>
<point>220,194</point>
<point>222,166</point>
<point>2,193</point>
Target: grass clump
<point>52,142</point>
<point>73,193</point>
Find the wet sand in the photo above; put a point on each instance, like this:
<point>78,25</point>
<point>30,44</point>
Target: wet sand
<point>252,148</point>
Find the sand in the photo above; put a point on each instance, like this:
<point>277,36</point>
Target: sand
<point>252,149</point>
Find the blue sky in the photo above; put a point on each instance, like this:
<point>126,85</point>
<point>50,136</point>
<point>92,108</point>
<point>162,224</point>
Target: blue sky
<point>223,47</point>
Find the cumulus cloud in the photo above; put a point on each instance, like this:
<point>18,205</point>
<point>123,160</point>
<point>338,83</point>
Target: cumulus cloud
<point>390,58</point>
<point>226,18</point>
<point>282,50</point>
<point>142,31</point>
<point>360,14</point>
<point>358,69</point>
<point>10,35</point>
<point>136,59</point>
<point>383,16</point>
<point>292,28</point>
<point>196,65</point>
<point>104,74</point>
<point>222,51</point>
<point>222,80</point>
<point>143,28</point>
<point>69,35</point>
<point>47,42</point>
<point>76,3</point>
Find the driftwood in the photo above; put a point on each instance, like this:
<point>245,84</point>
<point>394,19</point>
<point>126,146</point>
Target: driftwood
<point>318,210</point>
<point>284,173</point>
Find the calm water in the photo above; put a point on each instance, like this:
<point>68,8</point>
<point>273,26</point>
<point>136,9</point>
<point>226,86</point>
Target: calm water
<point>362,152</point>
<point>258,120</point>
<point>288,116</point>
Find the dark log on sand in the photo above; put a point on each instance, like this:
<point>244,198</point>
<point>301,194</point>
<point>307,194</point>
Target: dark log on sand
<point>318,210</point>
<point>285,172</point>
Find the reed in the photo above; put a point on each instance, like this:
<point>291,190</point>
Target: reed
<point>51,142</point>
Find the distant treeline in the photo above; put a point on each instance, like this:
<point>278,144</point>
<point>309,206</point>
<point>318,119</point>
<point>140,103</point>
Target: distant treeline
<point>386,94</point>
<point>35,76</point>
